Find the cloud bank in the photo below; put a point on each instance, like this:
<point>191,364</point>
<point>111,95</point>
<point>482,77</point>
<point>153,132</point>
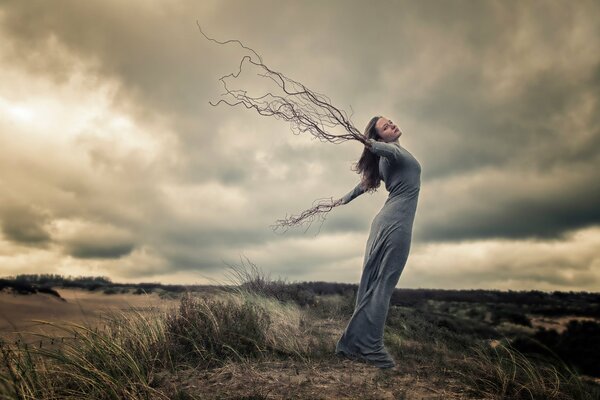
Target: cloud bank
<point>112,162</point>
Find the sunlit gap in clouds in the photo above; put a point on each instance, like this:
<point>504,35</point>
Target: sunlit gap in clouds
<point>16,112</point>
<point>70,114</point>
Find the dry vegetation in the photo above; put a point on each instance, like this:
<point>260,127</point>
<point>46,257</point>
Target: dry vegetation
<point>265,339</point>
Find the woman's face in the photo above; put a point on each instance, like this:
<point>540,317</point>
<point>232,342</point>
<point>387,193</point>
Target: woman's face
<point>387,130</point>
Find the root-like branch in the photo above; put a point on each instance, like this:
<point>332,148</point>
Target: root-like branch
<point>317,212</point>
<point>306,110</point>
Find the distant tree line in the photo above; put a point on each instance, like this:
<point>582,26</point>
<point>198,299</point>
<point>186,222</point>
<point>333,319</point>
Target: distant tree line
<point>89,283</point>
<point>554,303</point>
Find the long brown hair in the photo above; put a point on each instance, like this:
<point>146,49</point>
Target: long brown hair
<point>368,164</point>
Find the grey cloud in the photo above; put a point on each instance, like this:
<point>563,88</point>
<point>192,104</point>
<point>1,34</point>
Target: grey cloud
<point>501,209</point>
<point>101,33</point>
<point>457,102</point>
<point>435,68</point>
<point>90,240</point>
<point>487,133</point>
<point>25,225</point>
<point>99,250</point>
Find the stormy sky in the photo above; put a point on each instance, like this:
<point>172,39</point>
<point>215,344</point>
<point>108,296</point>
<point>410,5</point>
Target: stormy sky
<point>113,162</point>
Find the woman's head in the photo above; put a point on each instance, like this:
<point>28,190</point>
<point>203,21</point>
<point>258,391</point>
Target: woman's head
<point>382,129</point>
<point>371,131</point>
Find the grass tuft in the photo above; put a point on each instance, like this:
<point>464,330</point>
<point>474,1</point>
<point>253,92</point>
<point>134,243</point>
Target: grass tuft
<point>117,361</point>
<point>502,372</point>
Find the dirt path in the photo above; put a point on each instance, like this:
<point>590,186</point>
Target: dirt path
<point>337,379</point>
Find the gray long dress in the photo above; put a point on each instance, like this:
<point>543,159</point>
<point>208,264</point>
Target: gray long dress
<point>386,253</point>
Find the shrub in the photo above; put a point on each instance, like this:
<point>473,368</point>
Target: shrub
<point>579,345</point>
<point>510,315</point>
<point>50,291</point>
<point>335,306</point>
<point>214,331</point>
<point>247,277</point>
<point>503,372</point>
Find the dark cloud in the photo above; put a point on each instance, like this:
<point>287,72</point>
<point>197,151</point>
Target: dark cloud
<point>526,219</point>
<point>97,241</point>
<point>24,225</point>
<point>99,250</point>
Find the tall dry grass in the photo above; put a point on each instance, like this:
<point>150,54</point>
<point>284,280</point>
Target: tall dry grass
<point>238,327</point>
<point>128,356</point>
<point>502,372</point>
<point>117,360</point>
<point>125,356</point>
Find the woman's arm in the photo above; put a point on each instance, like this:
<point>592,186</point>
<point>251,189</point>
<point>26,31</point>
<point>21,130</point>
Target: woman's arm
<point>351,195</point>
<point>383,149</point>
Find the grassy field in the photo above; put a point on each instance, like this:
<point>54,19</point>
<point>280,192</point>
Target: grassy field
<point>270,340</point>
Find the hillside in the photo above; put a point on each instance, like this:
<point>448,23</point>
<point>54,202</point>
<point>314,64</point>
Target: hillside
<point>266,339</point>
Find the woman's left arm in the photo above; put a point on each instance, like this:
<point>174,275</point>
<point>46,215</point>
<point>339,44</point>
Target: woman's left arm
<point>351,195</point>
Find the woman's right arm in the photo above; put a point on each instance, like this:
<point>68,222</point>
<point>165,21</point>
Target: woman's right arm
<point>383,149</point>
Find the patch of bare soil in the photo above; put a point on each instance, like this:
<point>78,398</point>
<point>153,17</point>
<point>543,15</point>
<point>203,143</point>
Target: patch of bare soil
<point>337,379</point>
<point>559,324</point>
<point>17,311</point>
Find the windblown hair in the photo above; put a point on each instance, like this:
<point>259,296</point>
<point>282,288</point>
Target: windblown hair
<point>368,164</point>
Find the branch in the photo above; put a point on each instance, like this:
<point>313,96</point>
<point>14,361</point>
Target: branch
<point>307,111</point>
<point>317,212</point>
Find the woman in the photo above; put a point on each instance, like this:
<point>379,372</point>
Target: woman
<point>389,240</point>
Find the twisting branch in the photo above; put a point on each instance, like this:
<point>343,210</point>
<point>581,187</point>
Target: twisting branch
<point>307,111</point>
<point>317,212</point>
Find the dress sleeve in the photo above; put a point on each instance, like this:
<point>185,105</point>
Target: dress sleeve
<point>384,149</point>
<point>354,193</point>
